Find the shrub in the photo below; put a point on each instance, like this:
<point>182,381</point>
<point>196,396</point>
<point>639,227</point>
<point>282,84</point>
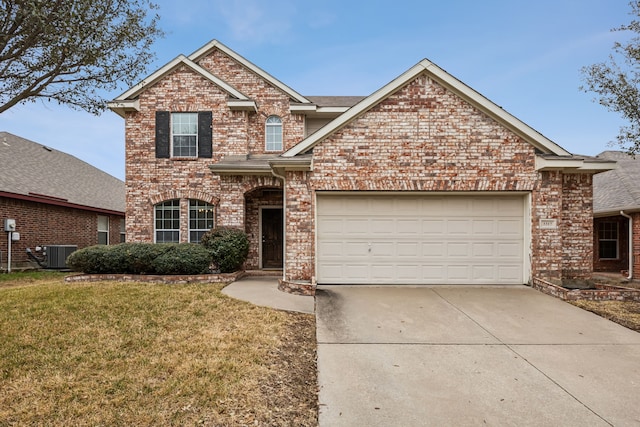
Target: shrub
<point>187,258</point>
<point>141,258</point>
<point>229,247</point>
<point>89,260</point>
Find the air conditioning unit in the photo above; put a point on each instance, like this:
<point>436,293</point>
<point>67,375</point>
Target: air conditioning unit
<point>57,255</point>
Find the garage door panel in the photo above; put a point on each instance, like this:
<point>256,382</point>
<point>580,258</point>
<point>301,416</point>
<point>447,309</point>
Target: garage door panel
<point>420,240</point>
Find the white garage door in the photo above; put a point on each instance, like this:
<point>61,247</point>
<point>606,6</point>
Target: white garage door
<point>385,239</point>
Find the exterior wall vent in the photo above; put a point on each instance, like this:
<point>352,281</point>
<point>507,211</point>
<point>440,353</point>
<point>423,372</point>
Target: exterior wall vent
<point>57,255</point>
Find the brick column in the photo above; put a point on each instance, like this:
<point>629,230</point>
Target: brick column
<point>577,226</point>
<point>546,243</point>
<point>299,262</point>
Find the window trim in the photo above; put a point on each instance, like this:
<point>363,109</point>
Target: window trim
<point>172,135</point>
<point>174,207</point>
<point>200,204</point>
<point>616,229</point>
<point>272,125</point>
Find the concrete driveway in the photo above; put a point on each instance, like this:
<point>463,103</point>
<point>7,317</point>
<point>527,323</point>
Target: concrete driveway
<point>415,356</point>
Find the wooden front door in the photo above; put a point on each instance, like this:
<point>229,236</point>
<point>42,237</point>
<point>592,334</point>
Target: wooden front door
<point>271,237</point>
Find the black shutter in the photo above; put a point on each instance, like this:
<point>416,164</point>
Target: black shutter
<point>204,134</point>
<point>162,134</point>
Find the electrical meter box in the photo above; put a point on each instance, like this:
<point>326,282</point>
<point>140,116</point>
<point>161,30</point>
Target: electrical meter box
<point>9,225</point>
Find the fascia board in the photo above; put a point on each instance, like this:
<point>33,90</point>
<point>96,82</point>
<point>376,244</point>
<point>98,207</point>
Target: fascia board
<point>577,165</point>
<point>180,59</point>
<point>259,71</point>
<point>242,105</point>
<point>121,107</point>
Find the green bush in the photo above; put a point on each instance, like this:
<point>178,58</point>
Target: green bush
<point>141,258</point>
<point>187,258</point>
<point>229,247</point>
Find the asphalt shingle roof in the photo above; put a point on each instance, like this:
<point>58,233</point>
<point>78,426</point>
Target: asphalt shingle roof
<point>32,169</point>
<point>618,189</point>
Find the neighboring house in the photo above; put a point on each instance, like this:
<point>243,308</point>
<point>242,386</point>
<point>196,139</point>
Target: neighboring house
<point>616,212</point>
<point>55,199</point>
<point>424,181</point>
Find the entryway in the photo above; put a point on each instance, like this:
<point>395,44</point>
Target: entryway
<point>271,226</point>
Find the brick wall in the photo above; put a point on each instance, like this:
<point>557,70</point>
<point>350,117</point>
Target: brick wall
<point>150,180</point>
<point>43,224</point>
<point>577,226</point>
<point>636,245</point>
<point>424,138</point>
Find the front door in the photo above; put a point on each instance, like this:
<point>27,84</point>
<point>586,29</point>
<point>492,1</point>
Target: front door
<point>271,237</point>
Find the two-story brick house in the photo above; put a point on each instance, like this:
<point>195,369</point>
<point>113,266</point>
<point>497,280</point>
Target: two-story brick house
<point>424,181</point>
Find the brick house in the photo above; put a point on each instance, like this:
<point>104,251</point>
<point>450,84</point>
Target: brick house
<point>424,181</point>
<point>616,211</point>
<point>55,199</point>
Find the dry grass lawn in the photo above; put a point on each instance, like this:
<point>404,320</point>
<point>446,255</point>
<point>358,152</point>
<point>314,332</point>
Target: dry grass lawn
<point>150,355</point>
<point>625,313</point>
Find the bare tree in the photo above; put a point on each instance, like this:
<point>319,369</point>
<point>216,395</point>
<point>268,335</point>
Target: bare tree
<point>69,51</point>
<point>617,83</point>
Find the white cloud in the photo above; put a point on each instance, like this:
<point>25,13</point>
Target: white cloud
<point>257,21</point>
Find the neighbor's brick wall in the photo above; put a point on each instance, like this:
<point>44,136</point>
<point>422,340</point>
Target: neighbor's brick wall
<point>636,245</point>
<point>41,224</point>
<point>612,265</point>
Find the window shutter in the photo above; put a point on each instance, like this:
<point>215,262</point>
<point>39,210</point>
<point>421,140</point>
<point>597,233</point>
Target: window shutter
<point>162,134</point>
<point>204,134</point>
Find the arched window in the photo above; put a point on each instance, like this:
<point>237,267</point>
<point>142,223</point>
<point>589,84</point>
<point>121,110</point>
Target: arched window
<point>167,221</point>
<point>200,219</point>
<point>273,134</point>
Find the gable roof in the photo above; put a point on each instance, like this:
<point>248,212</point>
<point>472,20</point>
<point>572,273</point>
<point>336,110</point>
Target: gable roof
<point>215,44</point>
<point>39,173</point>
<point>619,189</point>
<point>128,100</point>
<point>529,134</point>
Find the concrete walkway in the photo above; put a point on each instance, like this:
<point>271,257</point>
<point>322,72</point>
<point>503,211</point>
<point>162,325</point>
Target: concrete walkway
<point>420,356</point>
<point>263,291</point>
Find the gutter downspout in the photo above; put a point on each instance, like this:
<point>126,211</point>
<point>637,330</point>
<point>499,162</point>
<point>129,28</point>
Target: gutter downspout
<point>630,277</point>
<point>284,220</point>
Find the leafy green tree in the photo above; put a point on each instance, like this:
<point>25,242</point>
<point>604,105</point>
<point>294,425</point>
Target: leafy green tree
<point>69,51</point>
<point>617,82</point>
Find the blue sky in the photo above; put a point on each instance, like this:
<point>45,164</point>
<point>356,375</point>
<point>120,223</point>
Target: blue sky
<point>524,56</point>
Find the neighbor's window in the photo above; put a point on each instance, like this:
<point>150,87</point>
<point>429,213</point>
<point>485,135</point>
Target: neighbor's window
<point>123,230</point>
<point>184,134</point>
<point>273,133</point>
<point>167,221</point>
<point>103,230</point>
<point>200,219</point>
<point>608,240</point>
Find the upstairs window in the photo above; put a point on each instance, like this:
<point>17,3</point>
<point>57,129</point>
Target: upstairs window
<point>608,240</point>
<point>184,134</point>
<point>200,219</point>
<point>167,221</point>
<point>273,134</point>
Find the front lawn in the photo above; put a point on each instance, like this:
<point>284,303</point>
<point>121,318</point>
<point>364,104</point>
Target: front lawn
<point>150,355</point>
